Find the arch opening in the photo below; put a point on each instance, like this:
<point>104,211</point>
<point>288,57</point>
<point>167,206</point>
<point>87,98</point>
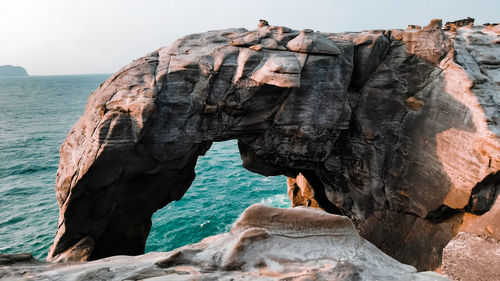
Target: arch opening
<point>221,191</point>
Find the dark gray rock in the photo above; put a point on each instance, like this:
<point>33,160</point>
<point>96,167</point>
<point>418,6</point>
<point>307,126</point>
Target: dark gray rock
<point>387,126</point>
<point>6,259</point>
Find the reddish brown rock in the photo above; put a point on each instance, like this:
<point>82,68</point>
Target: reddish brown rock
<point>453,25</point>
<point>300,192</point>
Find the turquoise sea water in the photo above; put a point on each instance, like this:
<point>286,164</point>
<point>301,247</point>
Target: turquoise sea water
<point>37,112</point>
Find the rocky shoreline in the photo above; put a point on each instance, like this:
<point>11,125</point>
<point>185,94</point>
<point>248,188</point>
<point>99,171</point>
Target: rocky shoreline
<point>396,130</point>
<point>265,243</point>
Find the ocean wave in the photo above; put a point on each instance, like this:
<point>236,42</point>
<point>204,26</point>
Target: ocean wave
<point>278,201</point>
<point>21,169</point>
<point>12,220</point>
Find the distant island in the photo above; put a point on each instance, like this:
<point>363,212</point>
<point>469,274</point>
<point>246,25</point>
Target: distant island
<point>10,70</point>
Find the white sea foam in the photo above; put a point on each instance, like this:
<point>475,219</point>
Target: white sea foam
<point>278,201</point>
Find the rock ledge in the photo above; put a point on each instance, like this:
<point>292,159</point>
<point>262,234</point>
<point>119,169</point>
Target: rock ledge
<point>265,243</point>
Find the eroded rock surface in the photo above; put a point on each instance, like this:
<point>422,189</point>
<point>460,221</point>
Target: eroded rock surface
<point>471,257</point>
<point>300,192</point>
<point>394,128</point>
<point>265,243</point>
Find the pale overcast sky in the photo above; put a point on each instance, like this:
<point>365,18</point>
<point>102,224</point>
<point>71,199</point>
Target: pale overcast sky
<point>90,36</point>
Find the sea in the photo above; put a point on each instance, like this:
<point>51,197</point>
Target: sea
<point>36,114</point>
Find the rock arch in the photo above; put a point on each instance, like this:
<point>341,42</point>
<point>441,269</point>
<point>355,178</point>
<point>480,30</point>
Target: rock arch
<point>366,117</point>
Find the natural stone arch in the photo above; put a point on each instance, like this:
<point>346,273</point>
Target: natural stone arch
<point>355,113</point>
<point>218,195</point>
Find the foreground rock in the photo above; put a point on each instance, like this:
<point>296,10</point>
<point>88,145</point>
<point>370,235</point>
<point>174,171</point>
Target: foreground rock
<point>471,257</point>
<point>397,129</point>
<point>265,243</point>
<point>6,259</point>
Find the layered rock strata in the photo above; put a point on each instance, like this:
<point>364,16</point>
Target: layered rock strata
<point>397,129</point>
<point>265,243</point>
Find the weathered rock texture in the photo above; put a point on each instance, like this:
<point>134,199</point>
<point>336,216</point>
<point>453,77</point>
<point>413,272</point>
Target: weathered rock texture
<point>397,129</point>
<point>472,258</point>
<point>264,244</point>
<point>6,259</point>
<point>300,192</point>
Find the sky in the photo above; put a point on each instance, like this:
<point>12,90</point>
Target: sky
<point>51,37</point>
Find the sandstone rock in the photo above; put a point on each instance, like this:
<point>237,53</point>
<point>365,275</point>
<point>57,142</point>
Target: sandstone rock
<point>413,26</point>
<point>369,50</point>
<point>265,243</point>
<point>397,129</point>
<point>471,257</point>
<point>300,192</point>
<point>313,43</point>
<point>422,145</point>
<point>263,23</point>
<point>453,25</point>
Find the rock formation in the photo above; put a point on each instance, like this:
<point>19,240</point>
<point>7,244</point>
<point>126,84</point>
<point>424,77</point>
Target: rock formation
<point>265,243</point>
<point>301,193</point>
<point>396,129</point>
